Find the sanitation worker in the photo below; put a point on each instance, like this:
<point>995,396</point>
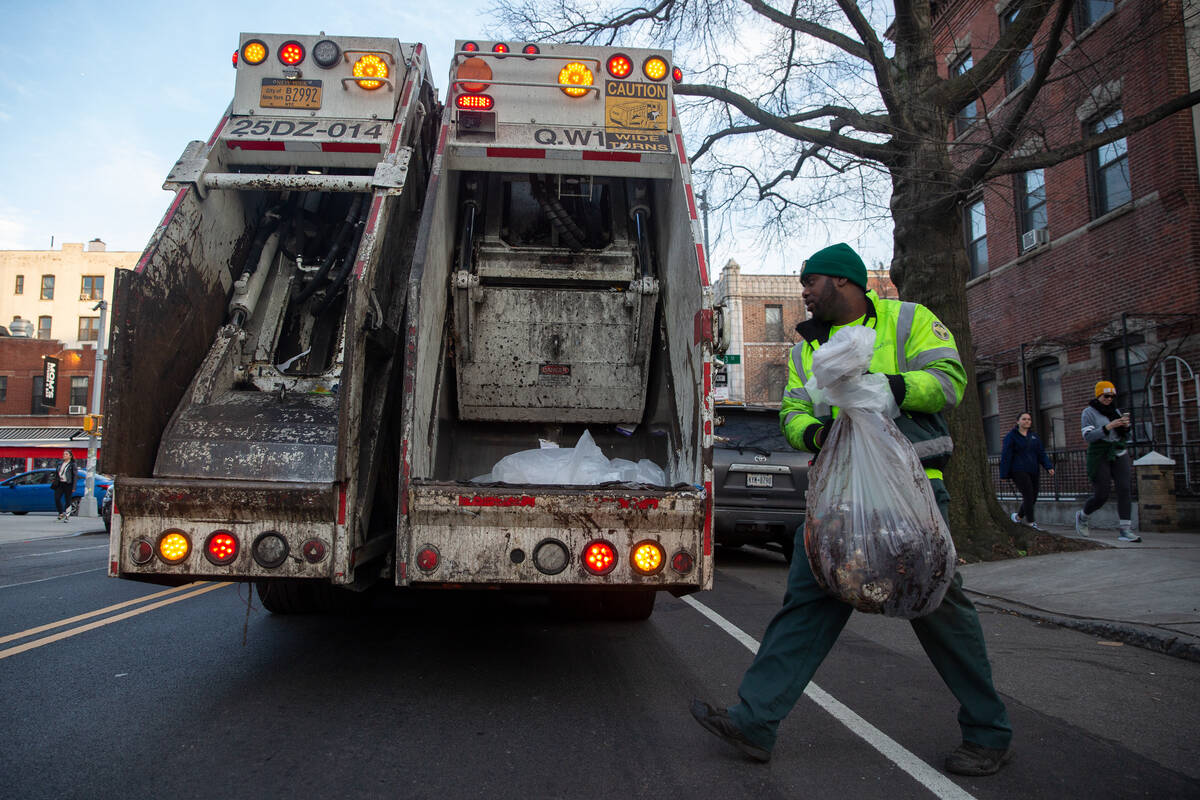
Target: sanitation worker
<point>916,357</point>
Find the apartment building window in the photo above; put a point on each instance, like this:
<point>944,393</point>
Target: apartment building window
<point>1021,69</point>
<point>1108,168</point>
<point>1131,382</point>
<point>79,390</point>
<point>92,288</point>
<point>89,329</point>
<point>43,328</point>
<point>47,287</point>
<point>3,388</point>
<point>1088,12</point>
<point>20,287</point>
<point>776,382</point>
<point>975,228</point>
<point>1031,201</point>
<point>1047,403</point>
<point>989,403</point>
<point>965,117</point>
<point>773,324</point>
<point>36,405</point>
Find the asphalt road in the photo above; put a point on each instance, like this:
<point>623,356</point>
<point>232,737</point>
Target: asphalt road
<point>139,691</point>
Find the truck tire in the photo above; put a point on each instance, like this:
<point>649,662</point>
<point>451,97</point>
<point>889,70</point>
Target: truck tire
<point>308,597</point>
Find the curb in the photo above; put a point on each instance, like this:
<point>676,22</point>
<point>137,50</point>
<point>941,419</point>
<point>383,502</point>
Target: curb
<point>1148,637</point>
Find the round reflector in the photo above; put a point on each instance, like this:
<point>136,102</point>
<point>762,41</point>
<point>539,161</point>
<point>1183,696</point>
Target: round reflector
<point>682,562</point>
<point>370,66</point>
<point>499,47</point>
<point>313,550</point>
<point>270,549</point>
<point>677,75</point>
<point>291,53</point>
<point>474,102</point>
<point>655,68</point>
<point>648,558</point>
<point>551,556</point>
<point>619,65</point>
<point>221,547</point>
<point>140,551</point>
<point>173,546</point>
<point>600,558</point>
<point>473,72</point>
<point>254,52</point>
<point>531,50</point>
<point>428,558</point>
<point>576,76</point>
<point>470,47</point>
<point>326,53</point>
<point>235,55</point>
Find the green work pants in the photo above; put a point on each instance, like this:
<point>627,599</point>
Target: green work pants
<point>805,628</point>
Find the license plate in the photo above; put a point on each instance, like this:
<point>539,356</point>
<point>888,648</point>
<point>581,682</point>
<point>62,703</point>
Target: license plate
<point>762,481</point>
<point>280,93</point>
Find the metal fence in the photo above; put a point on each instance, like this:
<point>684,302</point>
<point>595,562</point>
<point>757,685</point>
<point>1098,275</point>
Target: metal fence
<point>1070,481</point>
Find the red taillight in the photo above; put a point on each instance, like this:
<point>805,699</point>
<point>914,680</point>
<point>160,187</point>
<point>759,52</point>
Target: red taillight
<point>475,102</point>
<point>600,558</point>
<point>499,47</point>
<point>619,66</point>
<point>292,53</point>
<point>235,52</point>
<point>531,50</point>
<point>682,562</point>
<point>428,558</point>
<point>313,550</point>
<point>677,75</point>
<point>470,47</point>
<point>221,547</point>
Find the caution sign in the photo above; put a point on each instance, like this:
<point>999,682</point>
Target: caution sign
<point>635,106</point>
<point>639,142</point>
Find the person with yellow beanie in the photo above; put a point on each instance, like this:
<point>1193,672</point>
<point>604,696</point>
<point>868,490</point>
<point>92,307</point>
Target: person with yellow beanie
<point>1106,429</point>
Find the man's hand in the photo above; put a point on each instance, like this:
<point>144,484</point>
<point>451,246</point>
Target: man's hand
<point>1120,422</point>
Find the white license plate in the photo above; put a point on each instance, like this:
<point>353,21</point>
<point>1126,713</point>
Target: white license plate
<point>762,481</point>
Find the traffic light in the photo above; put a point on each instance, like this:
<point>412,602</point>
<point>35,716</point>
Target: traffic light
<point>92,422</point>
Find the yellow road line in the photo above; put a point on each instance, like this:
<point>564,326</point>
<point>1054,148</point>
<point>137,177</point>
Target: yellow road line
<point>105,610</point>
<point>21,648</point>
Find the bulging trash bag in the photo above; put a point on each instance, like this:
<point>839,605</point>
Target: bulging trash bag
<point>873,534</point>
<point>582,465</point>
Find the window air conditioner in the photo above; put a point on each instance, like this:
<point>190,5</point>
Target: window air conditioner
<point>76,410</point>
<point>1034,238</point>
<point>85,297</point>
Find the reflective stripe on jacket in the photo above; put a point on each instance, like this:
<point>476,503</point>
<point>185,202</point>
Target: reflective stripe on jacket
<point>925,372</point>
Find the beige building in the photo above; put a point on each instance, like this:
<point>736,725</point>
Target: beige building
<point>56,291</point>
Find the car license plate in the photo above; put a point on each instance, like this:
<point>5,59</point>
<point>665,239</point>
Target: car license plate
<point>763,481</point>
<point>280,93</point>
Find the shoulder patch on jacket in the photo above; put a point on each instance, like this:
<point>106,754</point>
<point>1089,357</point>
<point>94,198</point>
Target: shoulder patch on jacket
<point>940,331</point>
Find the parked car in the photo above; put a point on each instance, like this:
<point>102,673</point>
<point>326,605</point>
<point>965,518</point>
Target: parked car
<point>760,479</point>
<point>106,509</point>
<point>32,491</point>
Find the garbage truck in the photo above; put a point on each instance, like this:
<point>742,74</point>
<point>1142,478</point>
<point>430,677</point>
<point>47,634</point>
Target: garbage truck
<point>329,357</point>
<point>558,298</point>
<point>256,345</point>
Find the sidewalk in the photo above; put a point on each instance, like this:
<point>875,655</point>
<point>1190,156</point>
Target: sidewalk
<point>1145,593</point>
<point>44,525</point>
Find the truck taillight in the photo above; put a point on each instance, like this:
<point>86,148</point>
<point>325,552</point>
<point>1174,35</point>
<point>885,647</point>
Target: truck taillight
<point>619,66</point>
<point>472,73</point>
<point>654,68</point>
<point>499,47</point>
<point>677,75</point>
<point>573,77</point>
<point>174,546</point>
<point>291,53</point>
<point>428,558</point>
<point>599,558</point>
<point>648,558</point>
<point>370,66</point>
<point>221,547</point>
<point>682,562</point>
<point>531,50</point>
<point>470,47</point>
<point>254,52</point>
<point>475,102</point>
<point>140,551</point>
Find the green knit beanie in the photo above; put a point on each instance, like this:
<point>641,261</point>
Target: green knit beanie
<point>838,260</point>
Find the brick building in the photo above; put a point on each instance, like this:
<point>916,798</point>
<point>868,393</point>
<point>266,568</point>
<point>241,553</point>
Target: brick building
<point>1086,270</point>
<point>761,315</point>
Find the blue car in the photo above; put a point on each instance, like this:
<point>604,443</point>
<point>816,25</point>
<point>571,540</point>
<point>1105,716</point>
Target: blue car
<point>32,491</point>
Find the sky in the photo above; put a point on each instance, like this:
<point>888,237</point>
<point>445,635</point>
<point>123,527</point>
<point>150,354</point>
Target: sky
<point>97,101</point>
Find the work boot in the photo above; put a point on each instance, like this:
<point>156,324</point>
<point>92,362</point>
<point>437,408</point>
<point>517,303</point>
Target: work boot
<point>1081,523</point>
<point>717,722</point>
<point>975,760</point>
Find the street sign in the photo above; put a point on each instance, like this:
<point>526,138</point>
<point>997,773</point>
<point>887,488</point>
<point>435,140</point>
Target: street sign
<point>49,380</point>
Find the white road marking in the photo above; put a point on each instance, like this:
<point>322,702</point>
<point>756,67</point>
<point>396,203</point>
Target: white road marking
<point>57,552</point>
<point>927,776</point>
<point>52,578</point>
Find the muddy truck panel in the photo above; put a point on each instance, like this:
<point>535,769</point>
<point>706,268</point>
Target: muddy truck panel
<point>253,375</point>
<point>558,287</point>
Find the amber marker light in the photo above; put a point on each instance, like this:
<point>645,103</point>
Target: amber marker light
<point>619,65</point>
<point>574,77</point>
<point>292,53</point>
<point>473,73</point>
<point>173,546</point>
<point>654,68</point>
<point>370,66</point>
<point>254,52</point>
<point>648,558</point>
<point>599,558</point>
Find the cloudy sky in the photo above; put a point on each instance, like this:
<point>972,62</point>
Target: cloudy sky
<point>97,101</point>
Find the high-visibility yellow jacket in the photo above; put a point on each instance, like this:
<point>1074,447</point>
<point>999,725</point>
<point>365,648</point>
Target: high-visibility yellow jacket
<point>918,355</point>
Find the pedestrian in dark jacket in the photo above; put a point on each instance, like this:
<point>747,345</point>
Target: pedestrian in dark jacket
<point>1106,430</point>
<point>1020,458</point>
<point>64,485</point>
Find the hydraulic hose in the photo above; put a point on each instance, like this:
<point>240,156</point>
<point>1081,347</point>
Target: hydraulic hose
<point>335,249</point>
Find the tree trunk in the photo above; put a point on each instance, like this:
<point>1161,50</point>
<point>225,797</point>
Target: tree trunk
<point>928,249</point>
